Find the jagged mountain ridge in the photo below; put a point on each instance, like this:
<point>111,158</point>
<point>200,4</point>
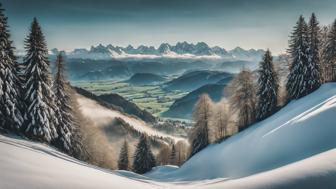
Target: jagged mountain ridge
<point>182,50</point>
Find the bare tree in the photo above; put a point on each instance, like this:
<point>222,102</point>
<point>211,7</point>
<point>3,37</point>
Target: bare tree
<point>220,121</point>
<point>199,137</point>
<point>243,98</point>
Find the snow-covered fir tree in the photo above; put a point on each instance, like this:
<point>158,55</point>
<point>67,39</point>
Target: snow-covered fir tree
<point>63,111</point>
<point>144,159</point>
<point>314,65</point>
<point>329,54</point>
<point>172,157</point>
<point>268,86</point>
<point>297,82</point>
<point>11,118</point>
<point>123,162</point>
<point>39,113</point>
<point>243,98</point>
<point>199,138</point>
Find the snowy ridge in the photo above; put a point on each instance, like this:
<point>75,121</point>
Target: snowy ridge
<point>102,116</point>
<point>182,50</point>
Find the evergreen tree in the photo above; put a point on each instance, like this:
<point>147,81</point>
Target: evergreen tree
<point>11,118</point>
<point>40,116</point>
<point>144,159</point>
<point>63,111</point>
<point>123,162</point>
<point>267,88</point>
<point>329,53</point>
<point>200,135</point>
<point>297,82</point>
<point>243,99</point>
<point>173,156</point>
<point>314,65</point>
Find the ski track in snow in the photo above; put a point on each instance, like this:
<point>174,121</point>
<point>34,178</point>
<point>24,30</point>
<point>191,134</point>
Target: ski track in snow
<point>102,116</point>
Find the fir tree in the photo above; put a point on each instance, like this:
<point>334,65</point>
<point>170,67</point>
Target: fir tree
<point>63,111</point>
<point>267,88</point>
<point>173,156</point>
<point>297,81</point>
<point>200,134</point>
<point>123,162</point>
<point>11,118</point>
<point>40,115</point>
<point>314,66</point>
<point>329,54</point>
<point>144,159</point>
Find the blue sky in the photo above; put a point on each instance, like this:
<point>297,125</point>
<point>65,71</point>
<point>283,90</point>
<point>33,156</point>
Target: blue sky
<point>70,24</point>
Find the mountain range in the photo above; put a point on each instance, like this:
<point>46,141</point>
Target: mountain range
<point>182,50</point>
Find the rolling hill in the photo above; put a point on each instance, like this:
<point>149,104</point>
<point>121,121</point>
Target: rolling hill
<point>182,108</point>
<point>145,79</point>
<point>193,80</point>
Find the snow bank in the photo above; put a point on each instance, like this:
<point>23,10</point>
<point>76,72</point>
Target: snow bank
<point>301,129</point>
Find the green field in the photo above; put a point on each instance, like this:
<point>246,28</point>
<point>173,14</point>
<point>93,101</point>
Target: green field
<point>152,98</point>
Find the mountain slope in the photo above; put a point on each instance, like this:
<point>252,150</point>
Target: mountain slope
<point>183,107</point>
<point>118,103</point>
<point>145,79</point>
<point>195,79</point>
<point>295,148</point>
<point>300,130</point>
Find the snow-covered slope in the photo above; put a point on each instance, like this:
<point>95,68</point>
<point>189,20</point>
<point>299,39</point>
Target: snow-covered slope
<point>30,165</point>
<point>295,148</point>
<point>102,116</point>
<point>300,130</point>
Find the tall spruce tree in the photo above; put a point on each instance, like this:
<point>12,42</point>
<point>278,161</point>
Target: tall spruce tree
<point>297,81</point>
<point>144,159</point>
<point>40,115</point>
<point>63,111</point>
<point>314,64</point>
<point>11,118</point>
<point>268,87</point>
<point>329,54</point>
<point>200,135</point>
<point>123,162</point>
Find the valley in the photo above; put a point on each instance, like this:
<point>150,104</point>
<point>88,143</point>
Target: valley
<point>151,98</point>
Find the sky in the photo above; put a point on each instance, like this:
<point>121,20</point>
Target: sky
<point>69,24</point>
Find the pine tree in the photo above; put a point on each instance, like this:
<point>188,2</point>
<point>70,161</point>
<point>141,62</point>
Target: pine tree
<point>200,135</point>
<point>144,159</point>
<point>329,54</point>
<point>40,116</point>
<point>11,118</point>
<point>63,111</point>
<point>267,88</point>
<point>323,42</point>
<point>123,162</point>
<point>173,156</point>
<point>297,81</point>
<point>243,99</point>
<point>314,65</point>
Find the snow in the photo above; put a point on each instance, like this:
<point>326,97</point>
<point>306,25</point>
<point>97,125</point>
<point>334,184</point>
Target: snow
<point>295,148</point>
<point>102,116</point>
<point>301,129</point>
